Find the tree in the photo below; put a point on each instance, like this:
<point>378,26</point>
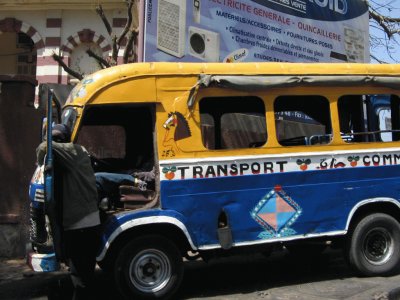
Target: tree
<point>127,37</point>
<point>384,30</point>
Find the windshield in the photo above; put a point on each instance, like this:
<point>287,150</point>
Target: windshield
<point>69,117</point>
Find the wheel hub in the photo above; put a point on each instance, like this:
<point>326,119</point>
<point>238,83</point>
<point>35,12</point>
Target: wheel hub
<point>150,270</point>
<point>378,246</point>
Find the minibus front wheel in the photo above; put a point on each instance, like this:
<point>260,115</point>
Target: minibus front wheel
<point>373,246</point>
<point>149,267</point>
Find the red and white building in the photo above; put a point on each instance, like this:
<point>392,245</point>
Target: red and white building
<point>32,30</point>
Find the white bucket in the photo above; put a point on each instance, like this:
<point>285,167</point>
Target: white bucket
<point>43,262</point>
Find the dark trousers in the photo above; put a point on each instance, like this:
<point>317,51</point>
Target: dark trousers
<point>107,183</point>
<point>81,246</point>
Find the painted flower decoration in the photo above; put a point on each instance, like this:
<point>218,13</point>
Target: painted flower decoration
<point>169,172</point>
<point>303,163</point>
<point>353,160</point>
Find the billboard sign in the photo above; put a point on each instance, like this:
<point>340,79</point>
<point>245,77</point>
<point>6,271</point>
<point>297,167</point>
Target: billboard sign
<point>256,30</point>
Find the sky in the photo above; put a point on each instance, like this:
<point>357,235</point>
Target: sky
<point>380,51</point>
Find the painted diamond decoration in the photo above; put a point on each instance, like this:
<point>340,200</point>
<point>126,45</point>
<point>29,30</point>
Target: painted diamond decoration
<point>276,212</point>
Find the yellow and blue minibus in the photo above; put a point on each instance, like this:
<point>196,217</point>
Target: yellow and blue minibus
<point>252,156</point>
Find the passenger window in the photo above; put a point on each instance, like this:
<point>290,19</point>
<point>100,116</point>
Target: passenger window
<point>369,118</point>
<point>302,120</point>
<point>385,124</point>
<point>233,122</point>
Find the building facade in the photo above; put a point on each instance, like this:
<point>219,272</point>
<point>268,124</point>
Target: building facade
<point>30,32</point>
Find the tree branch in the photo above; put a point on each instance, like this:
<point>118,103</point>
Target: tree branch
<point>100,12</point>
<point>129,4</point>
<point>101,60</point>
<point>67,69</point>
<point>377,59</point>
<point>115,49</point>
<point>379,19</point>
<point>129,45</point>
<point>384,22</point>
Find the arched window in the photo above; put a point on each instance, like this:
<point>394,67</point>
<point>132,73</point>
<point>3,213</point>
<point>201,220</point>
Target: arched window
<point>17,54</point>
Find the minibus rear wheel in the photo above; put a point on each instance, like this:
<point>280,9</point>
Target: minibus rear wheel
<point>373,246</point>
<point>149,267</point>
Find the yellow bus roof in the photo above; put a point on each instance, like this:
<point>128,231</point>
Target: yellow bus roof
<point>83,92</point>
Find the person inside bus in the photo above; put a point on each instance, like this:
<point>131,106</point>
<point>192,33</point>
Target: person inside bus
<point>74,214</point>
<point>108,183</point>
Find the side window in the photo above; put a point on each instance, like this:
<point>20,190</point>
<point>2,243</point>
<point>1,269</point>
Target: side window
<point>233,122</point>
<point>103,141</point>
<point>119,137</point>
<point>302,120</point>
<point>369,118</point>
<point>385,123</point>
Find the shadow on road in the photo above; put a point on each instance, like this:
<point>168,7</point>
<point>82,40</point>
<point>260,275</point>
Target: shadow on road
<point>249,274</point>
<point>217,278</point>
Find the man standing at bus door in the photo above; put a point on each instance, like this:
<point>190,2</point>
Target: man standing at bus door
<point>76,213</point>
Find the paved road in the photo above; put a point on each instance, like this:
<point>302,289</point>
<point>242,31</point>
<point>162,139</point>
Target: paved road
<point>236,278</point>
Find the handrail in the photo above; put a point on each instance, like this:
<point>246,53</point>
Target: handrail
<point>370,132</point>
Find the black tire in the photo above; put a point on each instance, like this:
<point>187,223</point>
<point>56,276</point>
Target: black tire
<point>149,267</point>
<point>373,247</point>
